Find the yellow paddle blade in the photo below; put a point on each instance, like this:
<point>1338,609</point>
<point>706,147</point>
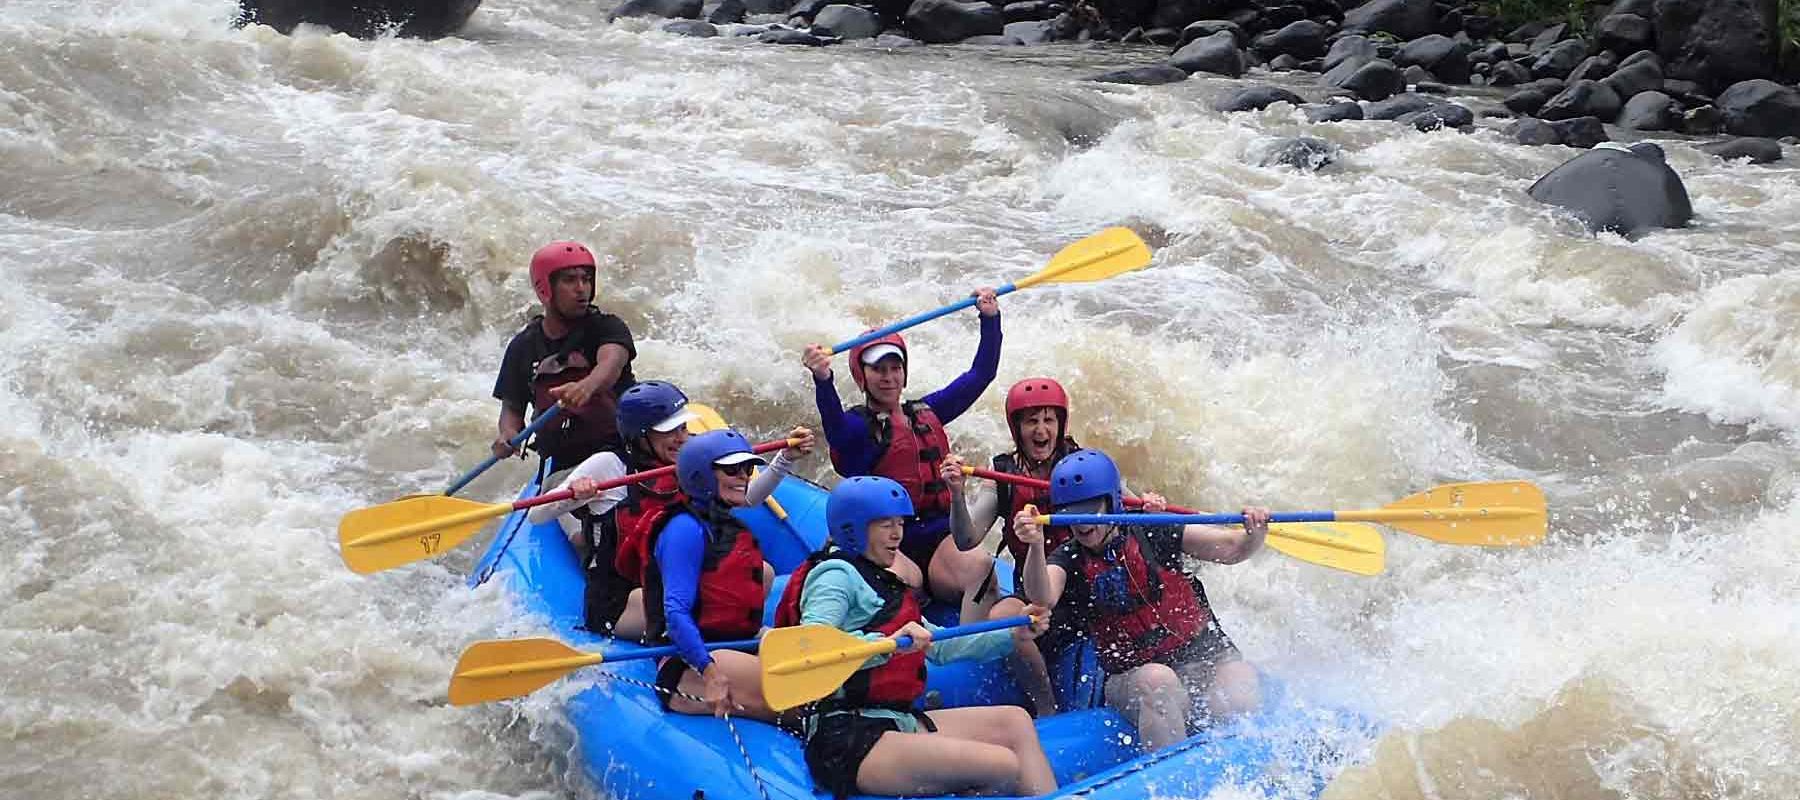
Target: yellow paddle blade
<point>1113,251</point>
<point>410,529</point>
<point>1490,514</point>
<point>709,419</point>
<point>508,668</point>
<point>1349,546</point>
<point>809,662</point>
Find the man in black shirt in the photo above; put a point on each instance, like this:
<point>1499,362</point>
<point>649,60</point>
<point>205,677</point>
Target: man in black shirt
<point>572,355</point>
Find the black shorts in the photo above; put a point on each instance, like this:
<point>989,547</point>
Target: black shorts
<point>606,596</point>
<point>668,678</point>
<point>841,742</point>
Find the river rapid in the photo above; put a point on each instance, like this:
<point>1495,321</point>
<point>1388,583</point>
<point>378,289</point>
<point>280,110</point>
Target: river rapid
<point>253,282</point>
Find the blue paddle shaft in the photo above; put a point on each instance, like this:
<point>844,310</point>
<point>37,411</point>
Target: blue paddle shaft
<point>536,425</point>
<point>670,650</point>
<point>969,630</point>
<point>1185,519</point>
<point>911,321</point>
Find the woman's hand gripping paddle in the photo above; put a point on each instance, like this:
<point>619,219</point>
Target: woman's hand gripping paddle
<point>1352,547</point>
<point>1492,514</point>
<point>508,668</point>
<point>1114,251</point>
<point>809,662</point>
<point>415,528</point>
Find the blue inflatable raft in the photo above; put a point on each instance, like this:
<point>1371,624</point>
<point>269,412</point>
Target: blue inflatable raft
<point>632,750</point>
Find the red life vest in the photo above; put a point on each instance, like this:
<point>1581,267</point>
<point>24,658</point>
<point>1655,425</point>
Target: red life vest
<point>910,455</point>
<point>729,603</point>
<point>897,682</point>
<point>578,432</point>
<point>1014,498</point>
<point>631,521</point>
<point>1166,608</point>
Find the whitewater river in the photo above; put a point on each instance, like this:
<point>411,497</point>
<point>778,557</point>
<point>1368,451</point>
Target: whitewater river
<point>252,282</point>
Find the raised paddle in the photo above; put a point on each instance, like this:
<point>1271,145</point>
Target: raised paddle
<point>508,668</point>
<point>807,662</point>
<point>1495,514</point>
<point>1349,546</point>
<point>516,442</point>
<point>414,528</point>
<point>1113,251</point>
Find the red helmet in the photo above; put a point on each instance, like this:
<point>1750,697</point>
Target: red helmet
<point>553,257</point>
<point>1036,393</point>
<point>892,340</point>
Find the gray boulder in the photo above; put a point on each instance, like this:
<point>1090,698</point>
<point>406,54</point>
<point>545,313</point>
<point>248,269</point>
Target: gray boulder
<point>697,28</point>
<point>1405,19</point>
<point>1302,39</point>
<point>683,9</point>
<point>1547,38</point>
<point>1635,78</point>
<point>1508,73</point>
<point>1351,46</point>
<point>1649,111</point>
<point>1561,59</point>
<point>1217,54</point>
<point>1718,42</point>
<point>1177,13</point>
<point>1300,152</point>
<point>943,21</point>
<point>1701,121</point>
<point>1759,151</point>
<point>789,36</point>
<point>1582,99</point>
<point>847,22</point>
<point>724,12</point>
<point>368,19</point>
<point>1332,112</point>
<point>1030,10</point>
<point>1448,115</point>
<point>1256,98</point>
<point>1624,33</point>
<point>1533,131</point>
<point>1595,67</point>
<point>1153,75</point>
<point>1625,190</point>
<point>1031,32</point>
<point>1443,56</point>
<point>1761,108</point>
<point>1376,80</point>
<point>1200,29</point>
<point>1397,107</point>
<point>1580,132</point>
<point>1526,101</point>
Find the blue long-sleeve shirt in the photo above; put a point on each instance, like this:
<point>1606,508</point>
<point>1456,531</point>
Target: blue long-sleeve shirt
<point>849,435</point>
<point>679,552</point>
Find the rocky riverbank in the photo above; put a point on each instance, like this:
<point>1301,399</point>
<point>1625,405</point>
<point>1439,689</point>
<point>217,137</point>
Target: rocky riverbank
<point>1701,67</point>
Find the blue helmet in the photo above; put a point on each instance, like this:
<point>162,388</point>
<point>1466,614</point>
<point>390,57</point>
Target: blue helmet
<point>1086,475</point>
<point>694,466</point>
<point>856,502</point>
<point>650,405</point>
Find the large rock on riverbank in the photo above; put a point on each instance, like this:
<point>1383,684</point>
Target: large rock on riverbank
<point>365,19</point>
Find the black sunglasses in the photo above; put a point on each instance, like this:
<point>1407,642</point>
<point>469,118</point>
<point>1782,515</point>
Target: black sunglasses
<point>742,468</point>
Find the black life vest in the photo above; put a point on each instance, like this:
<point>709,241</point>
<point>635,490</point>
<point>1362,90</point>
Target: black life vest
<point>729,602</point>
<point>1156,611</point>
<point>578,432</point>
<point>897,682</point>
<point>910,455</point>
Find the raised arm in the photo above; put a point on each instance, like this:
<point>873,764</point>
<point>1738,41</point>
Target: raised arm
<point>1222,544</point>
<point>1041,581</point>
